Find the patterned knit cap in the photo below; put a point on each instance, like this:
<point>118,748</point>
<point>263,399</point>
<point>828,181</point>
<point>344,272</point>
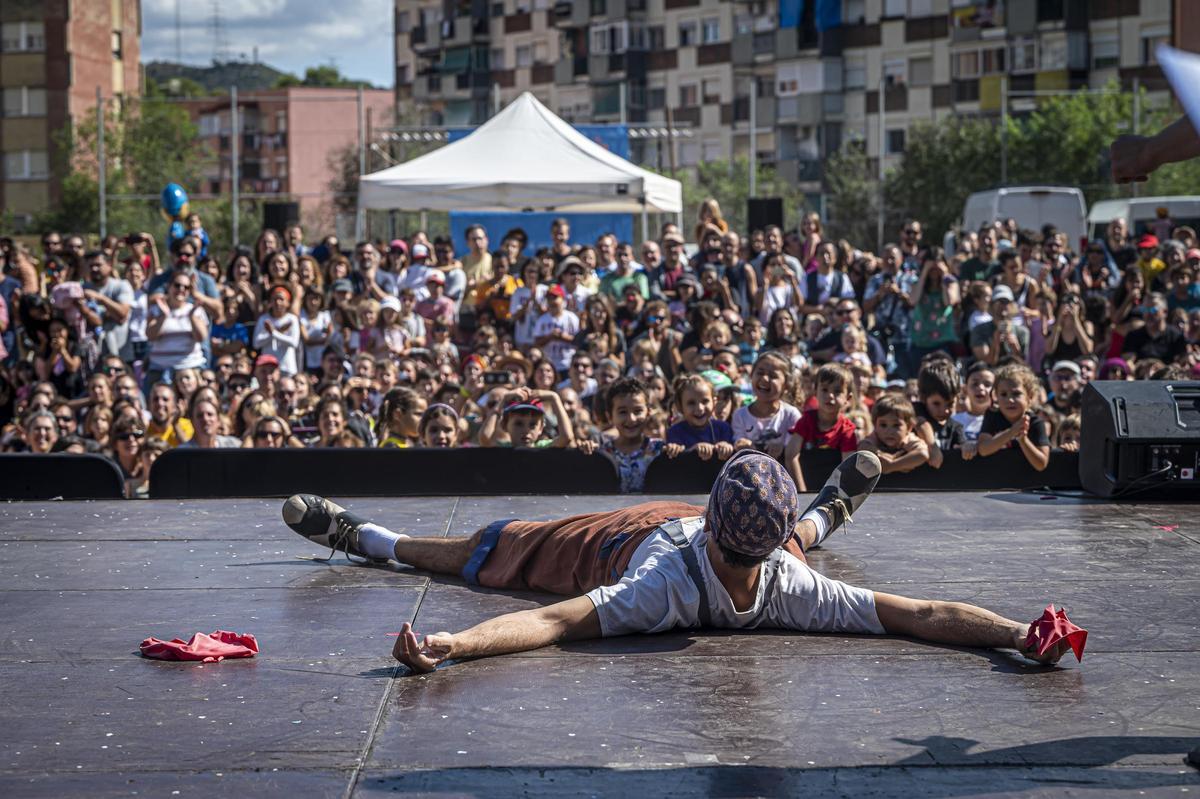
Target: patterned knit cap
<point>753,507</point>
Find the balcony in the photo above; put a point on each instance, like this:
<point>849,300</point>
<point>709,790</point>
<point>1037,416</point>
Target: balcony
<point>924,29</point>
<point>862,36</point>
<point>662,60</point>
<point>541,73</point>
<point>671,5</point>
<point>689,115</point>
<point>518,23</point>
<point>895,99</point>
<point>717,53</point>
<point>804,109</point>
<point>504,78</point>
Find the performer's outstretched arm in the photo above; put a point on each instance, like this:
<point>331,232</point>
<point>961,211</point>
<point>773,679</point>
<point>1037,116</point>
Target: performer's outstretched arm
<point>958,624</point>
<point>570,620</point>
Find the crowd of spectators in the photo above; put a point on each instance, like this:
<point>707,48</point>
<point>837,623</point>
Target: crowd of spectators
<point>782,341</point>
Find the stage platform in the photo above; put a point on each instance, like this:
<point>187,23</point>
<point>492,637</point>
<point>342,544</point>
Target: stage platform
<point>325,711</point>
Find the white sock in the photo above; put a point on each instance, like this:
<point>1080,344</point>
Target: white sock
<point>821,520</point>
<point>378,542</point>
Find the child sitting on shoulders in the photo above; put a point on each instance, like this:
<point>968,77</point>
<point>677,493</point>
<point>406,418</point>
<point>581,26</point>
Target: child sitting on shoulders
<point>627,409</point>
<point>694,400</point>
<point>1013,424</point>
<point>938,384</point>
<point>894,439</point>
<point>826,426</point>
<point>977,397</point>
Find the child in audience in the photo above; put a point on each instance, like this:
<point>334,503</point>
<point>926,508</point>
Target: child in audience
<point>938,384</point>
<point>438,428</point>
<point>826,426</point>
<point>894,439</point>
<point>854,347</point>
<point>698,430</point>
<point>521,417</point>
<point>977,397</point>
<point>750,342</point>
<point>1013,424</point>
<point>1067,436</point>
<point>764,423</point>
<point>626,403</point>
<point>399,416</point>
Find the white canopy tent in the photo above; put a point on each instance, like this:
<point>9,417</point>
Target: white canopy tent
<point>524,158</point>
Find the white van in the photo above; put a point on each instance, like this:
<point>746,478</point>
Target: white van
<point>1138,212</point>
<point>1032,207</point>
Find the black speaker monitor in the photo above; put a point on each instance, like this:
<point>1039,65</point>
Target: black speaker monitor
<point>1140,438</point>
<point>763,211</point>
<point>279,216</point>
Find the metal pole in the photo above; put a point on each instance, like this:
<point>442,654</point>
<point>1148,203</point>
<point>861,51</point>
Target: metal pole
<point>670,140</point>
<point>360,216</point>
<point>234,168</point>
<point>879,222</point>
<point>102,178</point>
<point>1003,130</point>
<point>753,135</point>
<point>1137,120</point>
<point>367,217</point>
<point>495,99</point>
<point>621,92</point>
<point>645,222</point>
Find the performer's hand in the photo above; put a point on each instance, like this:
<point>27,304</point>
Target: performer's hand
<point>1131,159</point>
<point>421,656</point>
<point>1053,654</point>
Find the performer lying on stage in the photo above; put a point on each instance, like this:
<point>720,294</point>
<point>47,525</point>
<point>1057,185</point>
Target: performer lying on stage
<point>660,565</point>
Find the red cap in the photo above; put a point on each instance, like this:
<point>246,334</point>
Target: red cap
<point>1147,242</point>
<point>266,359</point>
<point>557,291</point>
<point>398,244</point>
<point>534,404</point>
<point>436,276</point>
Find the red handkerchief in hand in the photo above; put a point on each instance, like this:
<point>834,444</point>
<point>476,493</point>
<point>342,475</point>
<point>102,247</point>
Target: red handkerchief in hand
<point>1052,627</point>
<point>212,648</point>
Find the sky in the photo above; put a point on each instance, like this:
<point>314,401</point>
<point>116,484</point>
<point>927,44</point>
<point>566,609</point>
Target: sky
<point>291,35</point>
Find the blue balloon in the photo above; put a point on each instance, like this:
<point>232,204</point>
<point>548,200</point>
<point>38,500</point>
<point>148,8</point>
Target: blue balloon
<point>174,199</point>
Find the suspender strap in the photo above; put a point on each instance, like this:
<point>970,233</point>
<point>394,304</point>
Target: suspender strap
<point>674,530</point>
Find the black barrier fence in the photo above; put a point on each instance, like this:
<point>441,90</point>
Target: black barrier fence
<point>191,473</point>
<point>59,476</point>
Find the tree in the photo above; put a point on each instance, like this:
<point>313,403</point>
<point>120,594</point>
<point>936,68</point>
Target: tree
<point>853,196</point>
<point>325,75</point>
<point>727,181</point>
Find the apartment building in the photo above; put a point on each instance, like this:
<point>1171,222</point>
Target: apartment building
<point>287,136</point>
<point>819,70</point>
<point>54,54</point>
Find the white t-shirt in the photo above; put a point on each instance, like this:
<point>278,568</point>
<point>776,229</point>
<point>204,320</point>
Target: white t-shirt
<point>176,347</point>
<point>321,323</point>
<point>970,424</point>
<point>776,297</point>
<point>523,328</point>
<point>764,431</point>
<point>558,352</point>
<point>656,594</point>
<point>283,341</point>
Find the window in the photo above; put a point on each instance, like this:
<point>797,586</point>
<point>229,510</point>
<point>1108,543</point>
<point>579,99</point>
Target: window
<point>1106,51</point>
<point>18,37</point>
<point>524,56</point>
<point>805,77</point>
<point>687,33</point>
<point>26,165</point>
<point>637,37</point>
<point>854,75</point>
<point>656,37</point>
<point>895,141</point>
<point>689,153</point>
<point>689,95</point>
<point>895,8</point>
<point>856,12</point>
<point>403,22</point>
<point>993,61</point>
<point>743,24</point>
<point>787,80</point>
<point>281,167</point>
<point>920,71</point>
<point>895,73</point>
<point>656,98</point>
<point>711,90</point>
<point>497,9</point>
<point>210,125</point>
<point>22,101</point>
<point>920,8</point>
<point>1151,39</point>
<point>1024,55</point>
<point>609,38</point>
<point>965,65</point>
<point>713,150</point>
<point>497,58</point>
<point>599,8</point>
<point>281,121</point>
<point>710,30</point>
<point>116,45</point>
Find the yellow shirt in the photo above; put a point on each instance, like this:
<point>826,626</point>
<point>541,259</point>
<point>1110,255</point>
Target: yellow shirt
<point>393,441</point>
<point>1150,270</point>
<point>478,269</point>
<point>167,433</point>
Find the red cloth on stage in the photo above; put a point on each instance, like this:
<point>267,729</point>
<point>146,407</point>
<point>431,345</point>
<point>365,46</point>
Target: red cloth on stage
<point>212,648</point>
<point>1052,627</point>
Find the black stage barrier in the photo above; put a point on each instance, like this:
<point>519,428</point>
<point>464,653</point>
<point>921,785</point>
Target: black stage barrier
<point>190,473</point>
<point>1008,469</point>
<point>59,476</point>
<point>195,473</point>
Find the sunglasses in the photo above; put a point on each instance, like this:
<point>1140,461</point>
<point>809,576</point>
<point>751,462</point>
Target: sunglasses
<point>130,436</point>
<point>269,434</point>
<point>65,419</point>
<point>113,370</point>
<point>910,232</point>
<point>844,311</point>
<point>182,286</point>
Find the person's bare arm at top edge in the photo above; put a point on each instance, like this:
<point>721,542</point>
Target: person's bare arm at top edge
<point>1135,157</point>
<point>571,620</point>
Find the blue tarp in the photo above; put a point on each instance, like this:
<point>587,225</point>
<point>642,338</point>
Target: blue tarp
<point>790,13</point>
<point>829,14</point>
<point>584,227</point>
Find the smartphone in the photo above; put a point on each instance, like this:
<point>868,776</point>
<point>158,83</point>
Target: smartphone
<point>500,378</point>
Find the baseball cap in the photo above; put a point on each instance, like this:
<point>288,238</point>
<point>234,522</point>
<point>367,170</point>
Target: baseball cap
<point>342,284</point>
<point>690,280</point>
<point>567,263</point>
<point>390,302</point>
<point>266,359</point>
<point>398,244</point>
<point>1002,293</point>
<point>534,404</point>
<point>672,238</point>
<point>1149,241</point>
<point>420,252</point>
<point>1069,366</point>
<point>436,277</point>
<point>1193,253</point>
<point>557,291</point>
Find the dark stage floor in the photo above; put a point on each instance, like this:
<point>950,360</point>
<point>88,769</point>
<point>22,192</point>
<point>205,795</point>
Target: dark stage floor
<point>323,711</point>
